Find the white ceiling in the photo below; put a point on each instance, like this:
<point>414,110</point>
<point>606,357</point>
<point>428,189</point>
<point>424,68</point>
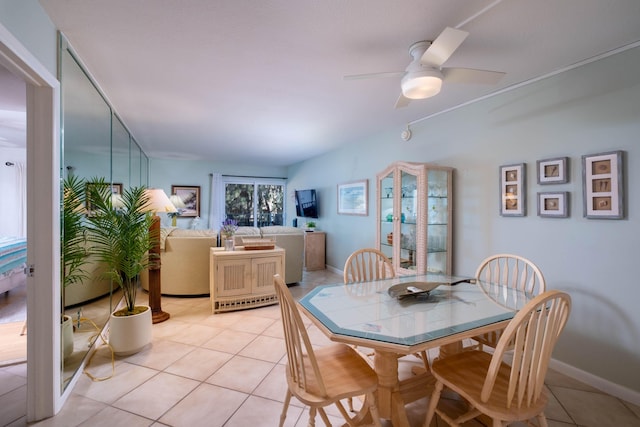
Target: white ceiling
<point>262,81</point>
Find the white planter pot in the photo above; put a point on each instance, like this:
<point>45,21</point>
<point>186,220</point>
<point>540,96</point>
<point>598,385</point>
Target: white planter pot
<point>66,329</point>
<point>130,334</point>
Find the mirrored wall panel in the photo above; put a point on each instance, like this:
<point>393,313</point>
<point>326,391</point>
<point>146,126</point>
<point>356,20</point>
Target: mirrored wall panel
<point>95,144</point>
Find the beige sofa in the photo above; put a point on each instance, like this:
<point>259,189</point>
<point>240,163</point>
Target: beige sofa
<point>184,258</point>
<point>291,239</point>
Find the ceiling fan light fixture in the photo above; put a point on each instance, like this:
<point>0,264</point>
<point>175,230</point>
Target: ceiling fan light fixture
<point>421,84</point>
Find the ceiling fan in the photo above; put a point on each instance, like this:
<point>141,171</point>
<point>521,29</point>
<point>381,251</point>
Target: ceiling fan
<point>424,76</point>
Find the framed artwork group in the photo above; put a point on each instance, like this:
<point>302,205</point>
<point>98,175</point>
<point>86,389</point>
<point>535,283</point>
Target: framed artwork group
<point>602,184</point>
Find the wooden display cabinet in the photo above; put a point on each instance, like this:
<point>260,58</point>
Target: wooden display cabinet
<point>414,217</point>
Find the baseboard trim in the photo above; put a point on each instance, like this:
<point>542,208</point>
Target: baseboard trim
<point>606,386</point>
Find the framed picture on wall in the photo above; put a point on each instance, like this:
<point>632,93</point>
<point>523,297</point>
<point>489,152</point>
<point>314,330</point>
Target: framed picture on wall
<point>190,196</point>
<point>602,185</point>
<point>553,171</point>
<point>512,190</point>
<point>353,198</point>
<point>116,188</point>
<point>553,204</point>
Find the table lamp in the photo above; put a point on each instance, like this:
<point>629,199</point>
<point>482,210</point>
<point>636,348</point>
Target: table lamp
<point>158,202</point>
<point>178,203</point>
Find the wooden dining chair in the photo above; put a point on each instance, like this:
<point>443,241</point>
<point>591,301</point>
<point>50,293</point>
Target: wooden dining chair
<point>367,264</point>
<point>513,271</point>
<point>506,392</point>
<point>323,376</point>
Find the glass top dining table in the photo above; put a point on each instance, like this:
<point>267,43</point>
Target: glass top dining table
<point>393,321</point>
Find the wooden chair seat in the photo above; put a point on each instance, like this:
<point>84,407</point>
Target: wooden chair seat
<point>471,369</point>
<point>324,376</point>
<point>506,392</point>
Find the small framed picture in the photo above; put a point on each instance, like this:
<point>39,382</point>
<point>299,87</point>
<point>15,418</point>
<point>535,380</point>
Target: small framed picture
<point>190,195</point>
<point>602,185</point>
<point>353,198</point>
<point>116,188</point>
<point>553,171</point>
<point>512,190</point>
<point>553,204</point>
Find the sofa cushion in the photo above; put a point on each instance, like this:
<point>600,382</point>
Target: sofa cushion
<point>280,229</point>
<point>248,231</point>
<point>181,232</point>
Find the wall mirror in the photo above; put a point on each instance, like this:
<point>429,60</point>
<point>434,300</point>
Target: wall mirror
<point>95,143</point>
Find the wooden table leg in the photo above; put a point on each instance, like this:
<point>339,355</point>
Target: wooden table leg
<point>390,402</point>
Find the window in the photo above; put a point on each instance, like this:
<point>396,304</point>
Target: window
<point>254,202</point>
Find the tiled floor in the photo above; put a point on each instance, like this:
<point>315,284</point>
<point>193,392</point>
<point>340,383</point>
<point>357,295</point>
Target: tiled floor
<point>227,370</point>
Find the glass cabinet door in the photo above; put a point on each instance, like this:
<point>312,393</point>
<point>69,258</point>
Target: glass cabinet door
<point>438,219</point>
<point>386,210</point>
<point>414,217</point>
<point>408,194</point>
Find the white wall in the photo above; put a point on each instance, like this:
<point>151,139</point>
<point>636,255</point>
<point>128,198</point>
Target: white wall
<point>11,224</point>
<point>591,109</point>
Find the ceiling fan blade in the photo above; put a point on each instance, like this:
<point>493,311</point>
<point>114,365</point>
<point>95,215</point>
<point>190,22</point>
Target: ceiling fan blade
<point>374,75</point>
<point>402,101</point>
<point>443,47</point>
<point>470,75</point>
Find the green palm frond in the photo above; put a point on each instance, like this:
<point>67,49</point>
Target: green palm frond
<point>121,237</point>
<point>74,236</point>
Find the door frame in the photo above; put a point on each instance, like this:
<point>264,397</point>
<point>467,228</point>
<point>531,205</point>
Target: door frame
<point>44,397</point>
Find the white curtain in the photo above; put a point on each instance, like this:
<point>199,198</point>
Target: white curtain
<point>216,212</point>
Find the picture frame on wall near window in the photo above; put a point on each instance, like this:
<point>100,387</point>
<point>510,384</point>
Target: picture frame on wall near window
<point>553,204</point>
<point>602,185</point>
<point>353,198</point>
<point>190,195</point>
<point>553,171</point>
<point>513,190</point>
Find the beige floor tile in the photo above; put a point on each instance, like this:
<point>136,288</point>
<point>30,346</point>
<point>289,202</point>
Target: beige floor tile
<point>225,320</point>
<point>189,314</point>
<point>156,396</point>
<point>274,386</point>
<point>554,410</point>
<point>241,374</point>
<point>207,402</point>
<point>126,378</point>
<point>200,364</point>
<point>160,354</point>
<point>270,311</point>
<point>9,382</point>
<point>229,341</point>
<point>259,412</point>
<point>110,417</point>
<point>253,324</point>
<point>77,410</point>
<point>265,348</point>
<point>555,378</point>
<point>193,334</point>
<point>275,330</point>
<point>591,409</point>
<point>13,405</point>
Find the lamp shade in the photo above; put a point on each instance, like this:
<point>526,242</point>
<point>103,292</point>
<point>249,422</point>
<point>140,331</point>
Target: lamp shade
<point>421,84</point>
<point>177,201</point>
<point>158,201</point>
<point>116,201</point>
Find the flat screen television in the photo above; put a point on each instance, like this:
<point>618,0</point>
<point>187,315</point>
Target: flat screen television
<point>306,203</point>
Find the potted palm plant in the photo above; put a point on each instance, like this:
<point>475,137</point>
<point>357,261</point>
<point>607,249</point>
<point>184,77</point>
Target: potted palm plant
<point>73,248</point>
<point>121,239</point>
